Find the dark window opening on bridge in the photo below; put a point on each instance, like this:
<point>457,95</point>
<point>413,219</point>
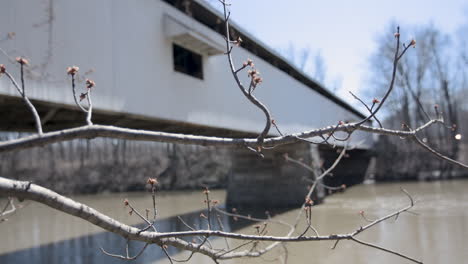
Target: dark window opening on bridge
<point>188,62</point>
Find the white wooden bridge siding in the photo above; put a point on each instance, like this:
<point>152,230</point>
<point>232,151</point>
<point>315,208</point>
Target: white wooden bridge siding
<point>124,42</point>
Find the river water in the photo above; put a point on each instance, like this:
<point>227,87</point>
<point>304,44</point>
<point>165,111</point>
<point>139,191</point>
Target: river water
<point>436,231</point>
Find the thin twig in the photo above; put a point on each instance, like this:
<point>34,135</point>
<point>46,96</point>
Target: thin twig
<point>220,223</point>
<point>367,107</point>
<point>234,72</point>
<point>438,154</point>
<point>396,59</point>
<point>385,249</point>
<point>167,254</point>
<point>75,97</point>
<point>89,113</point>
<point>208,207</point>
<point>9,203</point>
<point>125,257</point>
<point>37,118</point>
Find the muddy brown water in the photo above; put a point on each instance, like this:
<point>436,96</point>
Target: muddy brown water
<point>437,232</point>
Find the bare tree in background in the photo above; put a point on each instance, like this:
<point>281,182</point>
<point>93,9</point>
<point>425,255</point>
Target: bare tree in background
<point>307,61</point>
<point>320,68</point>
<point>428,77</point>
<point>201,238</point>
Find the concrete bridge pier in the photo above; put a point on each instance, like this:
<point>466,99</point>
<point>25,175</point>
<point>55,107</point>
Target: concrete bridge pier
<point>352,168</point>
<point>269,182</point>
<point>272,182</point>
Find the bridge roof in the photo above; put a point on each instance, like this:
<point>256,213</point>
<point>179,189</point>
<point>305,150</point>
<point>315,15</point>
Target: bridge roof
<point>210,17</point>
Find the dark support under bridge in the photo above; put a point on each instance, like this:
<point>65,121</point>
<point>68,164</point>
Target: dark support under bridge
<point>273,182</point>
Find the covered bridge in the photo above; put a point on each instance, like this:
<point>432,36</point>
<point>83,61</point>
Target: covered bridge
<point>160,65</point>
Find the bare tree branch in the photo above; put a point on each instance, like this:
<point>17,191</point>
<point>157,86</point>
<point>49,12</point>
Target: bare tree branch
<point>28,190</point>
<point>149,234</point>
<point>128,257</point>
<point>95,131</point>
<point>367,107</point>
<point>5,211</point>
<point>247,94</point>
<point>37,119</point>
<point>385,249</point>
<point>438,154</point>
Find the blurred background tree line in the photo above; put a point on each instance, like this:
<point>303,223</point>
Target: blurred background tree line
<point>433,75</point>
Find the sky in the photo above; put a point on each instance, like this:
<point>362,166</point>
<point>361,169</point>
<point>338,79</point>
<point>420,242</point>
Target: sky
<point>344,32</point>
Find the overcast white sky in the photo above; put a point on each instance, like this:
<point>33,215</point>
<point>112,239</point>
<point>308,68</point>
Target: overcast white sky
<point>344,31</point>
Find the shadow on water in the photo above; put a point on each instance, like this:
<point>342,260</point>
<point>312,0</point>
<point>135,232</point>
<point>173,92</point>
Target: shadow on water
<point>85,249</point>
